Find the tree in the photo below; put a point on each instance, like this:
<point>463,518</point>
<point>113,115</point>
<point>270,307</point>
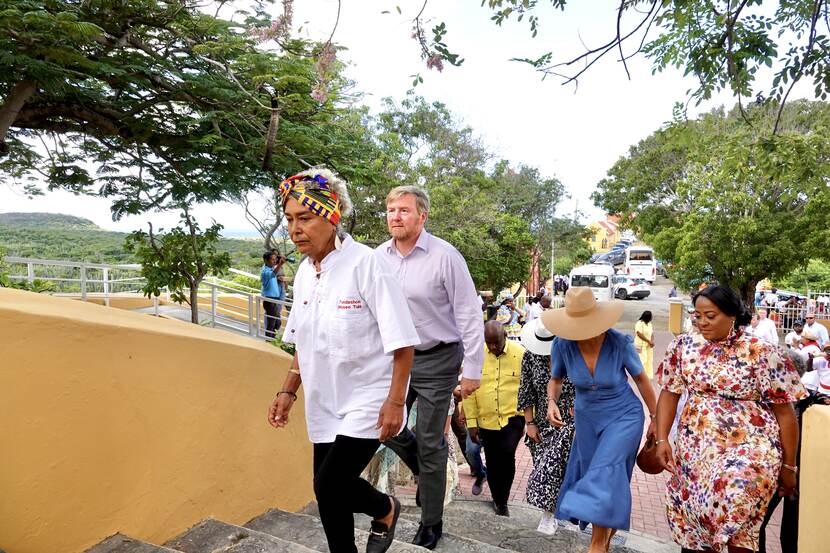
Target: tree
<point>719,199</point>
<point>724,44</point>
<point>178,259</point>
<point>155,102</point>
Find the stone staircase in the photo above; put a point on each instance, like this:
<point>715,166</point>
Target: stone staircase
<point>469,527</point>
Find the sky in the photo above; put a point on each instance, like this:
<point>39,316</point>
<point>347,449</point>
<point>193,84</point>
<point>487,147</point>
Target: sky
<point>573,133</point>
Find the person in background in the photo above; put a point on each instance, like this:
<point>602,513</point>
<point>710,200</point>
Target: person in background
<point>549,446</point>
<point>644,342</point>
<point>493,418</point>
<point>737,438</point>
<point>816,328</point>
<point>673,292</point>
<point>534,308</point>
<point>272,282</point>
<point>793,339</point>
<point>765,328</point>
<point>355,390</point>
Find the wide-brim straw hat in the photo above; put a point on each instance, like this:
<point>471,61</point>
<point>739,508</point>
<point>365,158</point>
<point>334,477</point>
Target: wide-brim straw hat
<point>583,317</point>
<point>536,338</point>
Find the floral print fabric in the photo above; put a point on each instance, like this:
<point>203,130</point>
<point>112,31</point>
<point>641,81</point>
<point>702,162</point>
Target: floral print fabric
<point>727,451</point>
<point>550,457</point>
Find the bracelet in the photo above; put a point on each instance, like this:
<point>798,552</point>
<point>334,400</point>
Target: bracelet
<point>658,442</point>
<point>530,423</point>
<point>790,467</point>
<point>294,371</point>
<point>653,417</point>
<point>395,403</point>
<point>289,392</point>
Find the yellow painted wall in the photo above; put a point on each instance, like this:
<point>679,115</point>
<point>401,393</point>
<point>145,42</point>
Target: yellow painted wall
<point>815,480</point>
<point>116,421</point>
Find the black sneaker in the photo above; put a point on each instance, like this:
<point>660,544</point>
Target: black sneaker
<point>477,485</point>
<point>381,536</point>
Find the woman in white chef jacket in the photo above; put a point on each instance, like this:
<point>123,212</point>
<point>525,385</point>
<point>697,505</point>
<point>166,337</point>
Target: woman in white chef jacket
<point>354,341</point>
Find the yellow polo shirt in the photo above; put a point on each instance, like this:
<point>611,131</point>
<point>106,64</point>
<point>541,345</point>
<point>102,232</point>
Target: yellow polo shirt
<point>497,399</point>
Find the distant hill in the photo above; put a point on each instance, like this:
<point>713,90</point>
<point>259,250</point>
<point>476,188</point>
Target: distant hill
<point>65,237</point>
<point>47,220</point>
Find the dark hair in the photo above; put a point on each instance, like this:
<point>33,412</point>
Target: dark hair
<point>267,255</point>
<point>646,317</point>
<point>727,301</point>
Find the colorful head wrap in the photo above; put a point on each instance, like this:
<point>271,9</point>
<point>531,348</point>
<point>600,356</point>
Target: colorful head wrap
<point>314,193</point>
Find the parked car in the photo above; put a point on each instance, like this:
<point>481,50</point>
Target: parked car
<point>616,257</point>
<point>626,287</point>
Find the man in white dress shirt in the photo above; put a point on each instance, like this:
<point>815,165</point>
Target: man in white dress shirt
<point>816,328</point>
<point>765,330</point>
<point>446,310</point>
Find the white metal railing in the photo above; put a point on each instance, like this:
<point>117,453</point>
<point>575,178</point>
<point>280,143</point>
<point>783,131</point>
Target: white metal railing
<point>221,303</point>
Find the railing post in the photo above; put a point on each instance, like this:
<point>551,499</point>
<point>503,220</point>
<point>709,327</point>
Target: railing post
<point>83,282</point>
<point>106,286</point>
<point>30,273</point>
<point>257,316</point>
<point>213,305</point>
<point>250,315</point>
<point>155,305</point>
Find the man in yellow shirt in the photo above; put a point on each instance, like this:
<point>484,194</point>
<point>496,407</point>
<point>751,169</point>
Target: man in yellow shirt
<point>493,418</point>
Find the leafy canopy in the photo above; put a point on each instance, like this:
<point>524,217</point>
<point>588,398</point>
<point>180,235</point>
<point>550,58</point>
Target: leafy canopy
<point>720,199</point>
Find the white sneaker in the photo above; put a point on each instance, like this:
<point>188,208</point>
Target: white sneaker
<point>548,524</point>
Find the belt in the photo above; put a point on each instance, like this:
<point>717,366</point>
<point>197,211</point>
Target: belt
<point>436,348</point>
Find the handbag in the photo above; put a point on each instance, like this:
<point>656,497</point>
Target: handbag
<point>647,457</point>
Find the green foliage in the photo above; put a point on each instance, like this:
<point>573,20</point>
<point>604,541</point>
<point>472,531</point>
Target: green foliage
<point>55,236</point>
<point>719,198</point>
<point>723,44</point>
<point>815,276</point>
<point>178,259</point>
<point>154,104</point>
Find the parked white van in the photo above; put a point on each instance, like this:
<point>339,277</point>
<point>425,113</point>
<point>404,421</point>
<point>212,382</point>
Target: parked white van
<point>597,278</point>
<point>640,263</point>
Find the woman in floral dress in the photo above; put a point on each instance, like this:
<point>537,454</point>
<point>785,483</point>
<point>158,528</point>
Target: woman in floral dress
<point>737,437</point>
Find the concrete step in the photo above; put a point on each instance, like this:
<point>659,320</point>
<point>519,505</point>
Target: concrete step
<point>521,526</point>
<point>214,536</point>
<point>119,543</point>
<point>308,530</point>
<point>406,529</point>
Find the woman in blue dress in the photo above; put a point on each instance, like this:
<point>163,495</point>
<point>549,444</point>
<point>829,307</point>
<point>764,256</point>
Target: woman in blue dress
<point>608,415</point>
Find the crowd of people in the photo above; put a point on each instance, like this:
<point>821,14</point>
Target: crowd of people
<point>380,331</point>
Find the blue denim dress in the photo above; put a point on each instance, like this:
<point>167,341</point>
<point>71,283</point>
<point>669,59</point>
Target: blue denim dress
<point>609,423</point>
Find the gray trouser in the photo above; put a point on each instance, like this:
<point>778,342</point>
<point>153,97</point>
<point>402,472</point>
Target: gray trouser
<point>434,376</point>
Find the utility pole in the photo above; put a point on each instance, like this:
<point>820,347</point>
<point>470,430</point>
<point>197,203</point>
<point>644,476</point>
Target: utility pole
<point>552,260</point>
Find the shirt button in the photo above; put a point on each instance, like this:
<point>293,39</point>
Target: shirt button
<point>305,302</point>
<point>292,330</point>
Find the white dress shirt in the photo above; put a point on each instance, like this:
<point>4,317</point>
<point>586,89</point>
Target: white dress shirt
<point>819,331</point>
<point>345,325</point>
<point>441,296</point>
<point>766,331</point>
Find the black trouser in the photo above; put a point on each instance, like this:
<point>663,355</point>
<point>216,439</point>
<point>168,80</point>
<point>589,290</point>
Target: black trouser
<point>341,492</point>
<point>500,450</point>
<point>272,316</point>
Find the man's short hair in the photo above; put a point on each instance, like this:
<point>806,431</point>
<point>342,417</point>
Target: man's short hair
<point>421,196</point>
<point>267,255</point>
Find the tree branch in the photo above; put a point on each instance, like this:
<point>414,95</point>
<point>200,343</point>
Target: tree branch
<point>10,110</point>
